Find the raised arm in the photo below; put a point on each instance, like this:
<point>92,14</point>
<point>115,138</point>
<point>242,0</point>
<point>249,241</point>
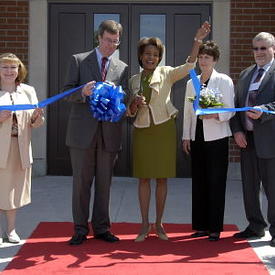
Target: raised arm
<point>201,33</point>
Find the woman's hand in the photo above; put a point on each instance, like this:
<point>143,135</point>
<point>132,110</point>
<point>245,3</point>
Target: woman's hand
<point>186,146</point>
<point>4,115</point>
<point>38,112</point>
<point>139,100</point>
<point>203,31</point>
<point>209,116</point>
<point>87,90</point>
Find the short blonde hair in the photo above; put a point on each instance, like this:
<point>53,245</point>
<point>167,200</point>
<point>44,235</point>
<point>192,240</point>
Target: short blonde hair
<point>12,58</point>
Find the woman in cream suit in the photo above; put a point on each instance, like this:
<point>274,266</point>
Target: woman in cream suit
<point>15,141</point>
<point>154,137</point>
<point>206,138</point>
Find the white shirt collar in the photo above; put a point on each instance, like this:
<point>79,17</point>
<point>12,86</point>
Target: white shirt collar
<point>266,66</point>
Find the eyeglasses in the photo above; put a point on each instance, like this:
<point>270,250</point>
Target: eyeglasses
<point>255,49</point>
<point>110,41</point>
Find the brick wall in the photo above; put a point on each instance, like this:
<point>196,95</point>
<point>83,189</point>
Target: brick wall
<point>14,28</point>
<point>247,19</point>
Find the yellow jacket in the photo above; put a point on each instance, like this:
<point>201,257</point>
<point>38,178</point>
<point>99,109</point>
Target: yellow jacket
<point>160,105</point>
<point>24,94</point>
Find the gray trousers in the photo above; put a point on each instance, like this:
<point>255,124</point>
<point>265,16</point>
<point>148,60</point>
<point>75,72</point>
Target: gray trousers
<point>257,173</point>
<point>92,165</point>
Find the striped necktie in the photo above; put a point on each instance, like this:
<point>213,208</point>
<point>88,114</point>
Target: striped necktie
<point>103,68</point>
<point>259,75</point>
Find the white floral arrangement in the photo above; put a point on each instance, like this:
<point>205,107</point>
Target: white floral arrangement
<point>209,98</point>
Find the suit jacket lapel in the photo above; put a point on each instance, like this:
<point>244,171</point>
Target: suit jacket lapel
<point>267,76</point>
<point>155,81</point>
<point>246,84</point>
<point>93,66</point>
<point>111,69</point>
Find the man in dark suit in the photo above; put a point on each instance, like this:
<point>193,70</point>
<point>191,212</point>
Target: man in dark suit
<point>94,144</point>
<point>254,133</point>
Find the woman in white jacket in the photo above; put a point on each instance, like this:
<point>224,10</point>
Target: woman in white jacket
<point>15,141</point>
<point>206,137</point>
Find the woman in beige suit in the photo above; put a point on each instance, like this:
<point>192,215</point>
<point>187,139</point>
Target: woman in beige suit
<point>15,145</point>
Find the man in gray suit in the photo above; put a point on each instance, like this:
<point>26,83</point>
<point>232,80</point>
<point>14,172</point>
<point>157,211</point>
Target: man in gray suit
<point>94,144</point>
<point>254,133</point>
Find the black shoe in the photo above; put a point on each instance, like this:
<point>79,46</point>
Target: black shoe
<point>77,239</point>
<point>213,237</point>
<point>107,237</point>
<point>272,242</point>
<point>199,234</point>
<point>248,233</point>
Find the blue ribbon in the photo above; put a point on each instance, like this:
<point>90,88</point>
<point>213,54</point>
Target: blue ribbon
<point>40,104</point>
<point>106,102</point>
<point>201,111</point>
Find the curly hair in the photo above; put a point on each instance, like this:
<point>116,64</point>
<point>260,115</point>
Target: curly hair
<point>210,48</point>
<point>149,41</point>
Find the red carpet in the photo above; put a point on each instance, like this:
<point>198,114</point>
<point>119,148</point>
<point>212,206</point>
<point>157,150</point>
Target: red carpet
<point>47,252</point>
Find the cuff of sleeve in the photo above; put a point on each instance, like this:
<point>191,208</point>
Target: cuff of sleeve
<point>187,60</point>
<point>198,40</point>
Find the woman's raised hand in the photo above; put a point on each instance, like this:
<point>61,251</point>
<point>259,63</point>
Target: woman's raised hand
<point>203,31</point>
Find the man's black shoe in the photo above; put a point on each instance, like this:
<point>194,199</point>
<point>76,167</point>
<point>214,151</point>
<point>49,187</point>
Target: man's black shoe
<point>107,237</point>
<point>248,233</point>
<point>272,242</point>
<point>77,239</point>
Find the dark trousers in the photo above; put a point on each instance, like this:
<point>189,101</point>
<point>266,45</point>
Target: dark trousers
<point>257,173</point>
<point>209,173</point>
<point>92,164</point>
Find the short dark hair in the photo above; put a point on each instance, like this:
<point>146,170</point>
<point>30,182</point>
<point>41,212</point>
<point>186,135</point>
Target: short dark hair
<point>210,48</point>
<point>110,26</point>
<point>149,41</point>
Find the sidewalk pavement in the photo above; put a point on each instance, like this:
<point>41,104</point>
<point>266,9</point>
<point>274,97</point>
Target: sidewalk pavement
<point>51,201</point>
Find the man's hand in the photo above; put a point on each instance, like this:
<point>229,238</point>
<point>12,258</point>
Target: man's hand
<point>254,114</point>
<point>87,90</point>
<point>240,139</point>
